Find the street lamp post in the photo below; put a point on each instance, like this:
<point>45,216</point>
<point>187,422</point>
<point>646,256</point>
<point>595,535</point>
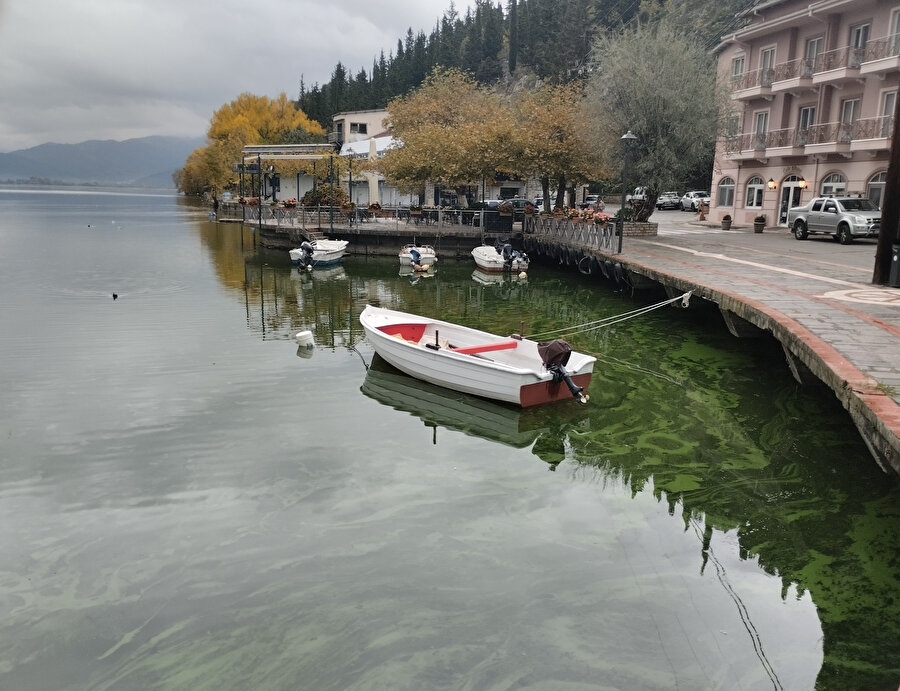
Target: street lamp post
<point>627,140</point>
<point>350,181</point>
<point>331,193</point>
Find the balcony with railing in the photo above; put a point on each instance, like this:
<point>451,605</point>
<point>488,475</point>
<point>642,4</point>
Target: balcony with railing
<point>793,75</point>
<point>831,67</point>
<point>746,146</point>
<point>872,134</point>
<point>867,134</point>
<point>837,65</point>
<point>753,84</point>
<point>881,55</point>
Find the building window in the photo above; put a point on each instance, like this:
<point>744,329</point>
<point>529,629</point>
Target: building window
<point>859,37</point>
<point>875,188</point>
<point>888,104</point>
<point>737,68</point>
<point>895,33</point>
<point>755,187</point>
<point>766,66</point>
<point>358,127</point>
<point>726,192</point>
<point>814,49</point>
<point>732,126</point>
<point>805,121</point>
<point>833,184</point>
<point>760,128</point>
<point>849,116</point>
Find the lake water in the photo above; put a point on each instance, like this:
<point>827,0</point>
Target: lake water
<point>189,501</point>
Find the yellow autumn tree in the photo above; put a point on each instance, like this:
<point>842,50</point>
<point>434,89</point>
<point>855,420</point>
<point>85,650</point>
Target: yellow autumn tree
<point>453,132</point>
<point>248,119</point>
<point>552,140</point>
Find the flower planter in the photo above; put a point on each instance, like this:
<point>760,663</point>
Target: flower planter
<point>758,227</point>
<point>726,225</point>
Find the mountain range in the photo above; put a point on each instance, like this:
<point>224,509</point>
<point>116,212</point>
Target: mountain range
<point>143,162</point>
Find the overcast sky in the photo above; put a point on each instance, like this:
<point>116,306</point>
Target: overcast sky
<point>74,70</point>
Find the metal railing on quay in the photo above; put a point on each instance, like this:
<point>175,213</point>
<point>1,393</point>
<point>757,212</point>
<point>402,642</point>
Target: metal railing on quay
<point>572,233</point>
<point>387,217</point>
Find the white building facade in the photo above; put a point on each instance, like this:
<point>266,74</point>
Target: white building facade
<point>814,90</point>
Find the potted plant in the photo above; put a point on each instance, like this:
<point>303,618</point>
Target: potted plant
<point>415,210</point>
<point>726,222</point>
<point>290,203</point>
<point>759,223</point>
<point>601,218</point>
<point>505,209</point>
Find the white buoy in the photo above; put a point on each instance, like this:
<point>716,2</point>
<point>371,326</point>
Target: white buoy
<point>305,338</point>
<point>523,275</point>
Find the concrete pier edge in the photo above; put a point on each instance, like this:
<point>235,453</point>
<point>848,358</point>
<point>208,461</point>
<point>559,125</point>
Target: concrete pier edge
<point>875,413</point>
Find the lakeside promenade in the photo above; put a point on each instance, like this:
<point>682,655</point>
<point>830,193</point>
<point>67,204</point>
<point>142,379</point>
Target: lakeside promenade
<point>815,296</point>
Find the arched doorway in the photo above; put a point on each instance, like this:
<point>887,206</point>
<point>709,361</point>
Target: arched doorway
<point>791,189</point>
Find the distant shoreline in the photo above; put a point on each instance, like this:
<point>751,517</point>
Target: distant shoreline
<point>44,182</point>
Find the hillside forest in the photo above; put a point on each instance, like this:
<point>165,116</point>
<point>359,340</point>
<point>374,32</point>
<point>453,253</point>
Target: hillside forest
<point>572,75</point>
<point>545,40</point>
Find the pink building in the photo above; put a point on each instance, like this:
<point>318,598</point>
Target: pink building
<point>814,90</point>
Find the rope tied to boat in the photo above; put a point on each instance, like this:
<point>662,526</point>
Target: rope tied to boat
<point>609,321</point>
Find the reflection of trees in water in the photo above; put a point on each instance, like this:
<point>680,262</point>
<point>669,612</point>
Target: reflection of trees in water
<point>282,299</point>
<point>229,244</point>
<point>796,505</point>
<point>679,408</point>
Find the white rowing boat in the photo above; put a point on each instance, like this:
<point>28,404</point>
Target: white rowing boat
<point>514,370</point>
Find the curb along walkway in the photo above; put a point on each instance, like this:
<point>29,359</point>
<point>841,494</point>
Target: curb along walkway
<point>815,296</point>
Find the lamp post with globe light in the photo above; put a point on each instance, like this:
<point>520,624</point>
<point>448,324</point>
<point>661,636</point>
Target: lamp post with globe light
<point>628,139</point>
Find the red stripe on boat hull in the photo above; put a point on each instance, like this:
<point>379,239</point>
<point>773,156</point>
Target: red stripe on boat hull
<point>547,391</point>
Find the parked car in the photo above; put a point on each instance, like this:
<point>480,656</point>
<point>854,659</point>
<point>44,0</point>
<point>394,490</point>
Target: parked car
<point>589,201</point>
<point>691,200</point>
<point>518,205</point>
<point>668,200</point>
<point>638,194</point>
<point>844,218</point>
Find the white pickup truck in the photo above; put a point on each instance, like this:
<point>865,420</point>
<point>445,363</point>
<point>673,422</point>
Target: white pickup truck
<point>639,194</point>
<point>844,218</point>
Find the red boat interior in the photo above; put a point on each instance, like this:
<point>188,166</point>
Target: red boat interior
<point>412,333</point>
<point>407,332</point>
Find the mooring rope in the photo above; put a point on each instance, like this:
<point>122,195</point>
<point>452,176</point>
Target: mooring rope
<point>609,321</point>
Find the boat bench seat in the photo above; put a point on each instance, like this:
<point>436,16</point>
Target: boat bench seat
<point>487,347</point>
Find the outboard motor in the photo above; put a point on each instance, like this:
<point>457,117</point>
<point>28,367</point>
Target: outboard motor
<point>511,256</point>
<point>306,254</point>
<point>555,356</point>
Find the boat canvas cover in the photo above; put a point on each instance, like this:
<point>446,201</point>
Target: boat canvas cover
<point>554,352</point>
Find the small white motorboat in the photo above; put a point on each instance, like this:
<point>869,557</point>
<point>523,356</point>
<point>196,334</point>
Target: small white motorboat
<point>319,252</point>
<point>514,370</point>
<point>499,257</point>
<point>418,255</point>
